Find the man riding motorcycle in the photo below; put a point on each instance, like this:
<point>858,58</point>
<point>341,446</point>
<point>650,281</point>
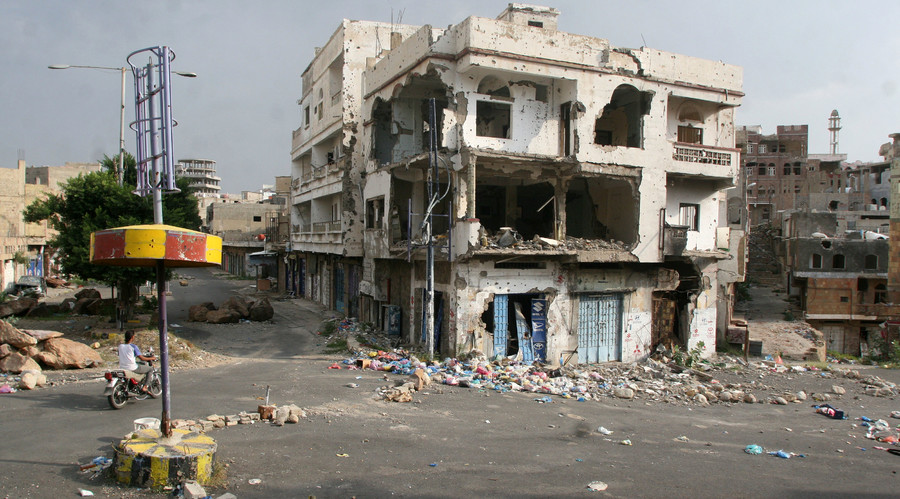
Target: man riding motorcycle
<point>129,354</point>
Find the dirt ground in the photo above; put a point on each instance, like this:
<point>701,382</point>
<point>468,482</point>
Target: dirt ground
<point>776,321</point>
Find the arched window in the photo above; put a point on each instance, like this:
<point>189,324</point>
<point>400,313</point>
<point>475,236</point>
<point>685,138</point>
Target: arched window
<point>622,121</point>
<point>837,261</point>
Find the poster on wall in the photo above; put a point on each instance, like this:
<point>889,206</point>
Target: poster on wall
<point>539,328</point>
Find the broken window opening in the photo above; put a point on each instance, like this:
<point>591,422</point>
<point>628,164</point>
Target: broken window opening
<point>621,123</point>
<point>507,205</point>
<point>401,124</point>
<point>375,213</point>
<point>689,215</point>
<point>880,293</point>
<point>492,119</point>
<point>536,24</point>
<point>602,208</point>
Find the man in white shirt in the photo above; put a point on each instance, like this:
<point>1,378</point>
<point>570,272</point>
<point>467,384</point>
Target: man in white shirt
<point>129,354</point>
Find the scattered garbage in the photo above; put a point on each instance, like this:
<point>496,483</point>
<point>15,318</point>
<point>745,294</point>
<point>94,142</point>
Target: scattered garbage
<point>604,431</point>
<point>544,400</point>
<point>597,486</point>
<point>753,449</point>
<point>96,465</point>
<point>254,481</point>
<point>626,442</point>
<point>785,455</point>
<point>433,465</point>
<point>85,493</point>
<point>829,411</point>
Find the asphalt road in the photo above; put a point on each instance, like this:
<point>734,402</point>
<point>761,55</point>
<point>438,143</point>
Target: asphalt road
<point>450,442</point>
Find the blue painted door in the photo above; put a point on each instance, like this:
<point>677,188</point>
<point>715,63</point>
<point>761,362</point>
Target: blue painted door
<point>501,324</point>
<point>599,328</point>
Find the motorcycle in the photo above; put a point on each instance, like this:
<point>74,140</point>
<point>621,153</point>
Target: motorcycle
<point>120,387</point>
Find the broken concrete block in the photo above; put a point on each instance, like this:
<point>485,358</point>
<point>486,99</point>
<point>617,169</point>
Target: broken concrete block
<point>193,490</point>
<point>281,415</point>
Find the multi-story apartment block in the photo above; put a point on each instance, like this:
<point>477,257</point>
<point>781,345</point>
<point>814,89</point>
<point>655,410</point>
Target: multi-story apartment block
<point>574,188</point>
<point>775,169</point>
<point>201,173</point>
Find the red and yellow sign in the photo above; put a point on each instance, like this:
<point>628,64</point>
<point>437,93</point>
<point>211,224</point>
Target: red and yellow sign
<point>146,245</point>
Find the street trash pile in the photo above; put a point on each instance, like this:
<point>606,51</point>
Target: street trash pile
<point>649,380</point>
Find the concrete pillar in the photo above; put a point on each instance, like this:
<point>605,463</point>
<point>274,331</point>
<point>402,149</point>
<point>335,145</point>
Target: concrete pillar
<point>893,281</point>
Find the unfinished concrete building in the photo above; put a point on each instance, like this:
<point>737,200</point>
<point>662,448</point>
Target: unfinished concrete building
<point>573,187</point>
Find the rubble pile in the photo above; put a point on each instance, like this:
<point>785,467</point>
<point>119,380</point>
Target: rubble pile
<point>276,415</point>
<point>28,351</point>
<point>651,380</point>
<point>232,310</point>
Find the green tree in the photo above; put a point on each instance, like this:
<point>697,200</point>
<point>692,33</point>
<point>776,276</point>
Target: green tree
<point>95,201</point>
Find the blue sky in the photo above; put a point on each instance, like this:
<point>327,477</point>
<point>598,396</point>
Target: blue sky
<point>801,59</point>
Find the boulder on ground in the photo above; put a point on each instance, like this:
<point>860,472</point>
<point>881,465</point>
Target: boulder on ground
<point>5,350</point>
<point>197,313</point>
<point>32,379</point>
<point>15,338</point>
<point>88,306</point>
<point>67,305</point>
<point>222,316</point>
<point>16,363</point>
<point>238,304</point>
<point>72,354</point>
<point>87,293</point>
<point>261,310</point>
<point>47,359</point>
<point>18,307</point>
<point>44,309</point>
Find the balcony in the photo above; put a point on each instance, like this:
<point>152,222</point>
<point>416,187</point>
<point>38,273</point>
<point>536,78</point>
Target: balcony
<point>326,227</point>
<point>692,153</point>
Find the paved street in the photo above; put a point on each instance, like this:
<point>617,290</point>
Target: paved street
<point>450,442</point>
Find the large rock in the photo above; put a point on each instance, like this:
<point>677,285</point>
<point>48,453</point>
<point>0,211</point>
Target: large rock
<point>44,309</point>
<point>197,313</point>
<point>238,304</point>
<point>16,363</point>
<point>88,306</point>
<point>261,310</point>
<point>48,359</point>
<point>18,307</point>
<point>222,316</point>
<point>42,334</point>
<point>5,350</point>
<point>87,293</point>
<point>14,337</point>
<point>32,379</point>
<point>71,354</point>
<point>30,351</point>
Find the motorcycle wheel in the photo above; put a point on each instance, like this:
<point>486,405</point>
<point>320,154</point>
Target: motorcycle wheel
<point>155,386</point>
<point>119,397</point>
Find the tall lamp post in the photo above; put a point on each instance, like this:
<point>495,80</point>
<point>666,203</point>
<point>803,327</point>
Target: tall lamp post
<point>120,168</point>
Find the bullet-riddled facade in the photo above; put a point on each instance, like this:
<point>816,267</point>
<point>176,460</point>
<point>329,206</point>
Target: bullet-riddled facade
<point>574,188</point>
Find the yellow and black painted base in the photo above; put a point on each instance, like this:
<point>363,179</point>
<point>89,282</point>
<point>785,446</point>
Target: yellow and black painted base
<point>148,459</point>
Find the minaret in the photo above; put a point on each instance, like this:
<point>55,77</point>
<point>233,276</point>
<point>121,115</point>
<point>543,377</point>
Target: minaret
<point>834,126</point>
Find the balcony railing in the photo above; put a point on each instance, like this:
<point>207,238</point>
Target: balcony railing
<point>325,227</point>
<point>690,153</point>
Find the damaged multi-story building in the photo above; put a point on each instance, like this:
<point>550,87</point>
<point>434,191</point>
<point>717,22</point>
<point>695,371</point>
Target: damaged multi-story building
<point>573,189</point>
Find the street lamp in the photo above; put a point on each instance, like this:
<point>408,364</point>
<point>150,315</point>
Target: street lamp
<point>120,168</point>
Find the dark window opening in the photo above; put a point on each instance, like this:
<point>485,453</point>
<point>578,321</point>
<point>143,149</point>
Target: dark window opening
<point>837,261</point>
<point>306,116</point>
<point>602,209</point>
<point>536,24</point>
<point>690,134</point>
<point>845,299</point>
<point>506,205</point>
<point>884,202</point>
<point>761,170</point>
<point>257,218</point>
<point>621,123</point>
<point>880,293</point>
<point>862,284</point>
<point>816,261</point>
<point>796,170</point>
<point>493,119</point>
<point>375,213</point>
<point>833,205</point>
<point>871,262</point>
